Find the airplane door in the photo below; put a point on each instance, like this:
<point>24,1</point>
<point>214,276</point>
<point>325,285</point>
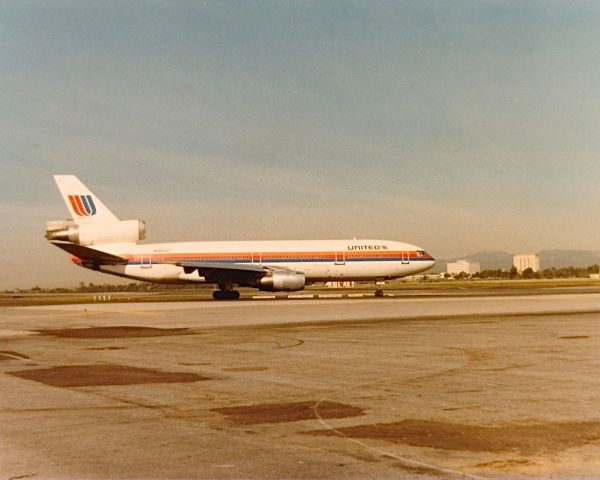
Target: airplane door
<point>146,260</point>
<point>340,258</point>
<point>405,257</point>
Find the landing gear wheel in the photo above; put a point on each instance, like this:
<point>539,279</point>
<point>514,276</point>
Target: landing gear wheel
<point>226,294</point>
<point>379,292</point>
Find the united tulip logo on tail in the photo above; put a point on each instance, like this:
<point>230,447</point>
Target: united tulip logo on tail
<point>83,205</point>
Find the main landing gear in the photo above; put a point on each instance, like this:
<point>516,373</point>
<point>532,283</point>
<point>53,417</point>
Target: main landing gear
<point>225,292</point>
<point>378,289</point>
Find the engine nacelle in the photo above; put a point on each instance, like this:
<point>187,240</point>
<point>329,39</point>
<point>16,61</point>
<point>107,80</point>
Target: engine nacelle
<point>96,233</point>
<point>282,281</point>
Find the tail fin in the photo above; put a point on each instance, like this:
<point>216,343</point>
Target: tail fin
<point>83,205</point>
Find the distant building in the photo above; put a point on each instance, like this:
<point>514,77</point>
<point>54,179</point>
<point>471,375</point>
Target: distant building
<point>523,261</point>
<point>459,266</point>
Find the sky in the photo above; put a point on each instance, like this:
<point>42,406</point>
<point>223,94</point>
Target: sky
<point>458,126</point>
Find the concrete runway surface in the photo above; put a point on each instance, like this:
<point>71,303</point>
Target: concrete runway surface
<point>497,387</point>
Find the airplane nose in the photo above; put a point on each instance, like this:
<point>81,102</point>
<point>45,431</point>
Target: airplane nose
<point>430,260</point>
<point>426,260</point>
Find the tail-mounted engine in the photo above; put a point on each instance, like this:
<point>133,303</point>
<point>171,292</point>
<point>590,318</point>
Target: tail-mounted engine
<point>282,281</point>
<point>97,233</point>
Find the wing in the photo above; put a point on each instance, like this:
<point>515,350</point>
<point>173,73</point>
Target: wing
<point>215,272</point>
<point>202,267</point>
<point>238,273</point>
<point>91,254</point>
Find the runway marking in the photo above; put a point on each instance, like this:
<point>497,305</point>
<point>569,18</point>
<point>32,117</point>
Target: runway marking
<point>380,451</point>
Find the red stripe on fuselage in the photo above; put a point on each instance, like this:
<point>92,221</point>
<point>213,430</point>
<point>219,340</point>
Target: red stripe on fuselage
<point>271,256</point>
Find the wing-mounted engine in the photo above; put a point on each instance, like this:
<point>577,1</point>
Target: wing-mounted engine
<point>282,281</point>
<point>123,231</point>
<point>244,275</point>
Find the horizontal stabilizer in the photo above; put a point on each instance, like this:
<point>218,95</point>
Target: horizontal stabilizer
<point>91,254</point>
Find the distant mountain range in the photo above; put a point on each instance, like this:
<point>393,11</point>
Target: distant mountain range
<point>493,260</point>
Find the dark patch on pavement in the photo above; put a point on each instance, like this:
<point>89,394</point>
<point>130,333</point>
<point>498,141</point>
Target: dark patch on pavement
<point>114,332</point>
<point>465,407</point>
<point>416,470</point>
<point>96,375</point>
<point>245,369</point>
<point>106,348</point>
<point>287,412</point>
<point>527,439</point>
<point>574,337</point>
<point>8,355</point>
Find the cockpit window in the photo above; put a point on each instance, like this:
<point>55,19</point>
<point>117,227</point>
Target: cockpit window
<point>420,253</point>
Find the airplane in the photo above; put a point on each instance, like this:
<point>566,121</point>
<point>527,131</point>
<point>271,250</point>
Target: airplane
<point>98,240</point>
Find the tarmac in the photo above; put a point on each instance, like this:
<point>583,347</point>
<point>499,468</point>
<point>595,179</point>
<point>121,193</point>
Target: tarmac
<point>430,387</point>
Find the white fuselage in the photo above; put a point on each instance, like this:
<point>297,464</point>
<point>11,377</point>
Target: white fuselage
<point>318,260</point>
